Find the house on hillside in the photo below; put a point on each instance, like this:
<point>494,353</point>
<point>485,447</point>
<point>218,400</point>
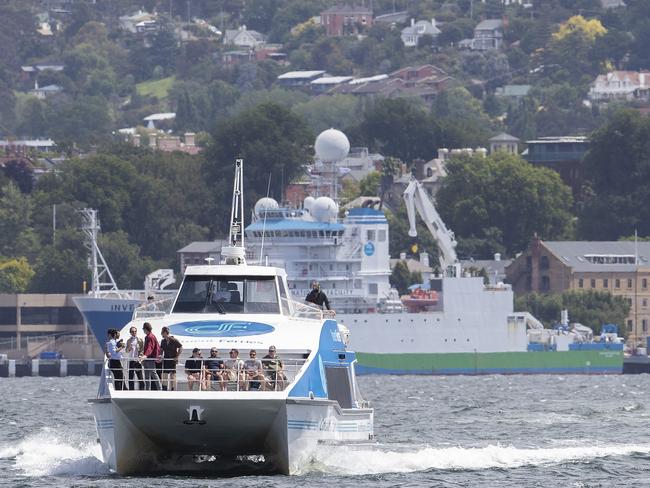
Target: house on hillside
<point>297,79</point>
<point>621,86</point>
<point>342,20</point>
<point>621,268</point>
<point>244,37</point>
<point>412,34</point>
<point>488,34</point>
<point>139,22</point>
<point>46,91</point>
<point>504,143</point>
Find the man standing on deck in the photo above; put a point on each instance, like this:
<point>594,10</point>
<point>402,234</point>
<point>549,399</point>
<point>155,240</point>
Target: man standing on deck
<point>317,296</point>
<point>151,355</point>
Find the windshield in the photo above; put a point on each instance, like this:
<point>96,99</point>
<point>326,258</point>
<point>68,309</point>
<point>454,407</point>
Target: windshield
<point>227,294</point>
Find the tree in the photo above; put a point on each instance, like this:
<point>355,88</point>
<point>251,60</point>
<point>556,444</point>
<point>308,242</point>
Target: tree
<point>21,172</point>
<point>398,127</point>
<point>369,185</point>
<point>401,278</point>
<point>505,199</point>
<point>15,275</point>
<point>617,172</point>
<point>322,113</point>
<point>273,143</point>
<point>16,235</point>
<point>588,307</point>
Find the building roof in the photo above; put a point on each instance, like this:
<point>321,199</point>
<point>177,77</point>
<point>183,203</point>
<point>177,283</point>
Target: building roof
<point>300,75</point>
<point>369,79</point>
<point>160,116</point>
<point>231,34</point>
<point>28,143</point>
<point>601,256</point>
<point>49,88</point>
<point>560,139</point>
<point>503,137</point>
<point>347,9</point>
<point>331,80</point>
<point>513,90</point>
<point>393,17</point>
<point>489,24</point>
<point>421,27</point>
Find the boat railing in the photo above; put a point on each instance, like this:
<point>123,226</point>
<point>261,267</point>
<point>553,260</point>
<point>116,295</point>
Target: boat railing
<point>154,309</point>
<point>135,374</point>
<point>308,311</point>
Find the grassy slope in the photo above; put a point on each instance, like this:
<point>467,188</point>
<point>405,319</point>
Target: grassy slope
<point>157,88</point>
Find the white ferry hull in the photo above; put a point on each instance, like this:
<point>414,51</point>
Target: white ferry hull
<point>227,436</point>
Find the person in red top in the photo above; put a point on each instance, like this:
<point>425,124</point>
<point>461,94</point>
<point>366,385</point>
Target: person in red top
<point>150,355</point>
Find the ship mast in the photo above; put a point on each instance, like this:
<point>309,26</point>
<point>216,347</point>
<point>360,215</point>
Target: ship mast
<point>102,279</point>
<point>235,253</point>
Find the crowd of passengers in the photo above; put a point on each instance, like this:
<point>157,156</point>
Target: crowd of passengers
<point>154,365</point>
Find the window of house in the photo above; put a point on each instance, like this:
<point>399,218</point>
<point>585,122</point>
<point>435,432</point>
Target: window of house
<point>593,283</point>
<point>645,302</point>
<point>644,325</point>
<point>644,283</point>
<point>617,283</point>
<point>581,283</point>
<point>629,283</point>
<point>605,283</point>
<point>543,262</point>
<point>529,262</point>
<point>629,325</point>
<point>545,284</point>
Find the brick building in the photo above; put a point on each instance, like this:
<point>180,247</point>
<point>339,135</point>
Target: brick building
<point>342,20</point>
<point>620,267</point>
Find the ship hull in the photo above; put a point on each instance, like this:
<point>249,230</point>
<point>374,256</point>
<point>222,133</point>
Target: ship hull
<point>542,362</point>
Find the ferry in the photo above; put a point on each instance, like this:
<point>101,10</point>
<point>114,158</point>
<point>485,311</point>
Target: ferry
<point>226,421</point>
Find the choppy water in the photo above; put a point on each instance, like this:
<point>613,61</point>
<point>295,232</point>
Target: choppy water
<point>533,431</point>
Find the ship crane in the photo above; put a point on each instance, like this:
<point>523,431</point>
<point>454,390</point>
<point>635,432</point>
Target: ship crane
<point>416,198</point>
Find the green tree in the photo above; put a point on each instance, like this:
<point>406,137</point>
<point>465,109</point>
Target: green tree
<point>504,198</point>
<point>16,235</point>
<point>15,275</point>
<point>400,277</point>
<point>322,113</point>
<point>369,185</point>
<point>617,172</point>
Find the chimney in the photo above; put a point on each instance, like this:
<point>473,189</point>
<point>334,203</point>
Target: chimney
<point>424,259</point>
<point>442,153</point>
<point>189,138</point>
<point>412,22</point>
<point>433,21</point>
<point>497,256</point>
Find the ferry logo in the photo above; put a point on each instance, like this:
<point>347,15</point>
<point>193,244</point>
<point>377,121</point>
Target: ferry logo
<point>369,248</point>
<point>220,328</point>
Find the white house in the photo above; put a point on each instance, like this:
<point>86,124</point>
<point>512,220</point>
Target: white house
<point>411,35</point>
<point>488,34</point>
<point>621,85</point>
<point>243,37</point>
<point>139,22</point>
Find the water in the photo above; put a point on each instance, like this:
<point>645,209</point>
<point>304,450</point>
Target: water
<point>533,431</point>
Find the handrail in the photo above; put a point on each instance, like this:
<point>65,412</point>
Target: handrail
<point>146,372</point>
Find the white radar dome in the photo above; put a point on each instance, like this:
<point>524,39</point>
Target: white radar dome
<point>324,208</point>
<point>308,204</point>
<point>265,204</point>
<point>332,145</point>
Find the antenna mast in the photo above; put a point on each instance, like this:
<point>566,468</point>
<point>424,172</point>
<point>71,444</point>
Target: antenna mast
<point>235,253</point>
<point>102,279</point>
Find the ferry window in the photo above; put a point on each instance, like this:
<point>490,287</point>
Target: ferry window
<point>7,315</point>
<point>581,283</point>
<point>381,235</point>
<point>372,289</point>
<point>338,386</point>
<point>617,283</point>
<point>371,235</point>
<point>223,294</point>
<point>593,283</point>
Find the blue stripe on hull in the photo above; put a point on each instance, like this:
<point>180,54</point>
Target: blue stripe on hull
<point>364,370</point>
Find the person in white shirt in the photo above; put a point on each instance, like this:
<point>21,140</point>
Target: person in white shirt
<point>134,346</point>
<point>234,368</point>
<point>114,350</point>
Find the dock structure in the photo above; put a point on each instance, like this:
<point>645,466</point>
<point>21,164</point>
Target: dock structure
<point>17,368</point>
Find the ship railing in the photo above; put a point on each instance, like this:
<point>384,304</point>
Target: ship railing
<point>150,374</point>
<point>310,311</point>
<point>153,309</point>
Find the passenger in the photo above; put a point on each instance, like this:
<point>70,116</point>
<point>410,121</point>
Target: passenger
<point>273,370</point>
<point>193,370</point>
<point>234,368</point>
<point>114,354</point>
<point>171,351</point>
<point>254,374</point>
<point>215,369</point>
<point>151,305</point>
<point>150,356</point>
<point>317,296</point>
<point>134,347</point>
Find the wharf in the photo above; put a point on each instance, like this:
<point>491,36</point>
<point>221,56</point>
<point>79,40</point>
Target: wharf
<point>11,368</point>
<point>636,364</point>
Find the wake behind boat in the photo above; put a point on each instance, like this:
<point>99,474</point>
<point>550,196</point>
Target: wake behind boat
<point>218,420</point>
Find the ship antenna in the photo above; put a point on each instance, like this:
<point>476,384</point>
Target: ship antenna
<point>102,277</point>
<point>268,191</point>
<point>234,252</point>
